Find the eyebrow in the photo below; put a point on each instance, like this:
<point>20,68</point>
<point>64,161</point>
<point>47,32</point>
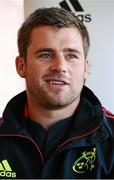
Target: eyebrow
<point>71,50</point>
<point>44,50</point>
<point>52,50</point>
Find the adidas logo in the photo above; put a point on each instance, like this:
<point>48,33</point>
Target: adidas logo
<point>75,5</point>
<point>5,170</point>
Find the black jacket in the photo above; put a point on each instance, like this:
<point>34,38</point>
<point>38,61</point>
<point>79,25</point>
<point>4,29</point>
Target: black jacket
<point>83,148</point>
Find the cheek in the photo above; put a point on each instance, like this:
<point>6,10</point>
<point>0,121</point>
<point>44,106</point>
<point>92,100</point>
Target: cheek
<point>78,74</point>
<point>78,70</point>
<point>33,69</point>
<point>34,75</point>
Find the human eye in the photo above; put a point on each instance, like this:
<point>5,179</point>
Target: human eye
<point>45,55</point>
<point>71,56</point>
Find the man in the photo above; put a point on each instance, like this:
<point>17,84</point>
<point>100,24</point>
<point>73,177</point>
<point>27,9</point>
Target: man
<point>57,128</point>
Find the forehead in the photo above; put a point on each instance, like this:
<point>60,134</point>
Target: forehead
<point>46,31</point>
<point>48,36</point>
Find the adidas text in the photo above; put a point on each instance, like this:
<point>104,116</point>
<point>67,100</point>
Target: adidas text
<point>7,174</point>
<point>6,170</point>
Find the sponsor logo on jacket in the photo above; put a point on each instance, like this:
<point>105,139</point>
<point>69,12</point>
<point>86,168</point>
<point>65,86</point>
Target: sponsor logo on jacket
<point>5,170</point>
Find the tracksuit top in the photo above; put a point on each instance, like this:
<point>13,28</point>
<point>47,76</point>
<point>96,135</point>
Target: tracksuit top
<point>78,147</point>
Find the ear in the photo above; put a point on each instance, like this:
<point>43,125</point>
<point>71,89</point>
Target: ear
<point>20,66</point>
<point>87,66</point>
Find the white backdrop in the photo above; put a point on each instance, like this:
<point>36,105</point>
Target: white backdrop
<point>97,15</point>
<point>11,16</point>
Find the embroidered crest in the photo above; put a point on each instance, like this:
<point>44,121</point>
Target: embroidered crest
<point>85,161</point>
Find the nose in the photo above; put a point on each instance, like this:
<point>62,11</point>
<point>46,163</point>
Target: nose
<point>59,64</point>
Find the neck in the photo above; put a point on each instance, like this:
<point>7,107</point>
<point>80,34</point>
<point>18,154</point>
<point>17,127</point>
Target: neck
<point>46,117</point>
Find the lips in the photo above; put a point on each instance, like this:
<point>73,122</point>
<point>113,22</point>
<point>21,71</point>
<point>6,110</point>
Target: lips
<point>56,81</point>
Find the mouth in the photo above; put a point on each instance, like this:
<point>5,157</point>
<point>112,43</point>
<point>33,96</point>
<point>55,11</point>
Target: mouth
<point>57,82</point>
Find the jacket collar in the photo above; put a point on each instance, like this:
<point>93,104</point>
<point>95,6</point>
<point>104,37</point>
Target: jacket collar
<point>13,115</point>
<point>86,119</point>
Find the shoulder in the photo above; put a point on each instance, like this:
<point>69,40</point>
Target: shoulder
<point>1,120</point>
<point>108,119</point>
<point>107,113</point>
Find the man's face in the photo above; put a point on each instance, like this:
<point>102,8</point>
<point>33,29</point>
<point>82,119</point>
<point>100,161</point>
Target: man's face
<point>55,67</point>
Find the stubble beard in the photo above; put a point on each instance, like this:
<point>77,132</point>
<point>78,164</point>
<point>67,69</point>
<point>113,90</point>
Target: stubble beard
<point>55,101</point>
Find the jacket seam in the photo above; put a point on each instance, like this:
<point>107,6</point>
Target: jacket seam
<point>1,120</point>
<point>21,136</point>
<point>107,113</point>
<point>77,137</point>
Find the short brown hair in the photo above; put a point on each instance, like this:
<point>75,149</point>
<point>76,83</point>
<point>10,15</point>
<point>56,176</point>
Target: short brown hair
<point>53,16</point>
